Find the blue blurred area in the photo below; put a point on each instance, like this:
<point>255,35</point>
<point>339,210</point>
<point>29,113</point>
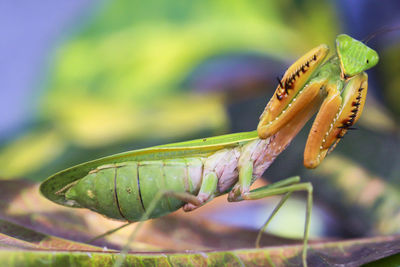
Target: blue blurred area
<point>30,31</point>
<point>361,18</point>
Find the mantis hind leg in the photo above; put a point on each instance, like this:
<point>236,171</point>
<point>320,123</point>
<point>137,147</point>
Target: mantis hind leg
<point>285,187</point>
<point>182,196</point>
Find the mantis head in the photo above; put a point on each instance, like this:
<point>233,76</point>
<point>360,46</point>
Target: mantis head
<point>355,57</point>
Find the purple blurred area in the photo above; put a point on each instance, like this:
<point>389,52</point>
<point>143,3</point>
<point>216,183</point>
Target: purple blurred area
<point>29,30</point>
<point>234,72</point>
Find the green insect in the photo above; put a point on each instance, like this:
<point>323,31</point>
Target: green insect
<point>189,174</point>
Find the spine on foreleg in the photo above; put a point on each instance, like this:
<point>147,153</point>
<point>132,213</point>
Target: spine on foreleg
<point>124,191</point>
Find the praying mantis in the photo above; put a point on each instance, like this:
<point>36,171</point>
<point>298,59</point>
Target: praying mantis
<point>152,182</point>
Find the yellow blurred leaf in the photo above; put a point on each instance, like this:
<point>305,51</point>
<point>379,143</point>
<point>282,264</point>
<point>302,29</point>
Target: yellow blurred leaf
<point>30,152</point>
<point>96,122</point>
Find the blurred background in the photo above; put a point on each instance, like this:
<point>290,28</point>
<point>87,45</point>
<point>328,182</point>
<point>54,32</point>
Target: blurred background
<point>85,79</point>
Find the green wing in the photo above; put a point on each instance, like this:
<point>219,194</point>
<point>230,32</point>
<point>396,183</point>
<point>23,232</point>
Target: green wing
<point>54,186</point>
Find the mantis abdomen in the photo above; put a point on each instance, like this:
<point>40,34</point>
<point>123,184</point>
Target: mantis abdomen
<point>125,190</point>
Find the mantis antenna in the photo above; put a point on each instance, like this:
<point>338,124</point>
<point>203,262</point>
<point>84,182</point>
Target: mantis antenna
<point>381,31</point>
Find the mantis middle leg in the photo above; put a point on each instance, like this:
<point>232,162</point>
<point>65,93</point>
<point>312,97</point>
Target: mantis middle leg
<point>285,187</point>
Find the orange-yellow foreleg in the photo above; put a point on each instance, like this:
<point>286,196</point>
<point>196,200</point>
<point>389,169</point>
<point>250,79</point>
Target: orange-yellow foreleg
<point>292,93</point>
<point>337,114</point>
